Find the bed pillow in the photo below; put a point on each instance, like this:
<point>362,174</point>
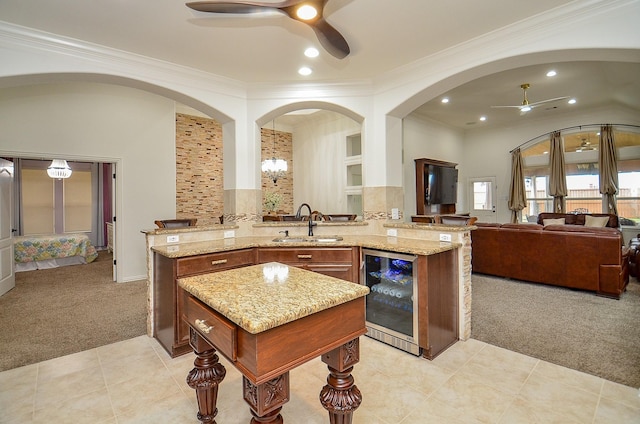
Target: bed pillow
<point>595,221</point>
<point>553,221</point>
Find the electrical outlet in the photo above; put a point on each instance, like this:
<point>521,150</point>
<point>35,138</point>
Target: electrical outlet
<point>392,232</point>
<point>445,237</point>
<point>395,213</point>
<point>229,234</point>
<point>173,239</point>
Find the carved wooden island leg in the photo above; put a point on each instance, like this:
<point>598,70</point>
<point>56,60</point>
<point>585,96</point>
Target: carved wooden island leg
<point>205,377</point>
<point>266,399</point>
<point>341,396</point>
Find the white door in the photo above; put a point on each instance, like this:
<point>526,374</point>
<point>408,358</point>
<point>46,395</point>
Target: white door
<point>112,218</point>
<point>482,198</point>
<point>7,276</point>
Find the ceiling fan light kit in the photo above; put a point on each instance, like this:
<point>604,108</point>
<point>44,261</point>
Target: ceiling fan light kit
<point>309,12</point>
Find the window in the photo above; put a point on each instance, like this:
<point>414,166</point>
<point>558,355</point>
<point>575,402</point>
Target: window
<point>581,166</point>
<point>51,206</point>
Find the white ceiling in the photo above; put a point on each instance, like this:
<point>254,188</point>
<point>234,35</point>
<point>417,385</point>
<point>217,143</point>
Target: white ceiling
<point>383,35</point>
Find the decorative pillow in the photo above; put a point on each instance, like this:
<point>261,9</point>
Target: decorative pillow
<point>595,221</point>
<point>553,221</point>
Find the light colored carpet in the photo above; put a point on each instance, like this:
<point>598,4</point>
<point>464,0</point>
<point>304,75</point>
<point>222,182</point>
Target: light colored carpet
<point>575,329</point>
<point>55,312</point>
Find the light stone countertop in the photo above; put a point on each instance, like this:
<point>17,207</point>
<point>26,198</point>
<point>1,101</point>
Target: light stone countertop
<point>393,244</point>
<point>261,297</point>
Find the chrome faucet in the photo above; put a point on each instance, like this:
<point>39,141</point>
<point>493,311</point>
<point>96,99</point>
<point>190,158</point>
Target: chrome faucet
<point>311,223</point>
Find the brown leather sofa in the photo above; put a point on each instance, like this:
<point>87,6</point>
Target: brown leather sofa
<point>569,255</point>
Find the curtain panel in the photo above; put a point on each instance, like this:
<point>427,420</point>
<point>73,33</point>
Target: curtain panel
<point>608,164</point>
<point>557,177</point>
<point>517,195</point>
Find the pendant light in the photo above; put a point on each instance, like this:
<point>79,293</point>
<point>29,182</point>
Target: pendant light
<point>274,168</point>
<point>59,169</point>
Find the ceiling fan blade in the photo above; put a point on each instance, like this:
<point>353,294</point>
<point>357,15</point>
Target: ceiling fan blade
<point>331,39</point>
<point>516,106</point>
<point>534,104</point>
<point>240,7</point>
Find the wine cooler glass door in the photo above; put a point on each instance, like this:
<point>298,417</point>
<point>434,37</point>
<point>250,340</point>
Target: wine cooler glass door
<point>390,306</point>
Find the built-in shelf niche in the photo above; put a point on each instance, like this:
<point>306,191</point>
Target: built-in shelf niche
<point>353,165</point>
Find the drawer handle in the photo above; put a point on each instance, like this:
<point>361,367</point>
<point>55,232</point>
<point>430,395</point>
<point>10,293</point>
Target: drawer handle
<point>219,262</point>
<point>202,326</point>
<point>304,256</point>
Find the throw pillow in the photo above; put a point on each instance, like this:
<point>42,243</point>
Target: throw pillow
<point>553,221</point>
<point>595,221</point>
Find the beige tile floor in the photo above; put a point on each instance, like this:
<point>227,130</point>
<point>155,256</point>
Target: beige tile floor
<point>135,381</point>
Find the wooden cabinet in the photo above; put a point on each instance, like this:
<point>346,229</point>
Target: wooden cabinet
<point>436,186</point>
<point>168,299</point>
<point>437,302</point>
<point>339,262</point>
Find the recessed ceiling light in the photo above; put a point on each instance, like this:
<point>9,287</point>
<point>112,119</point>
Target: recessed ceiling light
<point>483,118</point>
<point>306,12</point>
<point>311,52</point>
<point>305,71</point>
<point>572,101</point>
<point>445,100</point>
<point>551,73</point>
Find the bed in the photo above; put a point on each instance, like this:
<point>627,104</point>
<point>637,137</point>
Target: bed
<point>52,251</point>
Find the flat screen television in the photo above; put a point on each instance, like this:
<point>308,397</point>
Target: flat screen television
<point>443,185</point>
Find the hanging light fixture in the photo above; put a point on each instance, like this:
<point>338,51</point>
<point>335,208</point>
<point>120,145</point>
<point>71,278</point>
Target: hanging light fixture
<point>274,168</point>
<point>59,169</point>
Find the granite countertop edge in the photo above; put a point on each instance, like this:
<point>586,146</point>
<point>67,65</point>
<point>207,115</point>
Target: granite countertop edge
<point>392,244</point>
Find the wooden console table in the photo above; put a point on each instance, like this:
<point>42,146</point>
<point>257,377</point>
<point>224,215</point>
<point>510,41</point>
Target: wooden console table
<point>266,320</point>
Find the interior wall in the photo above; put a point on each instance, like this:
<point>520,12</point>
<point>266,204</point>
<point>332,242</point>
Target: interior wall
<point>319,152</point>
<point>104,123</point>
<point>424,138</point>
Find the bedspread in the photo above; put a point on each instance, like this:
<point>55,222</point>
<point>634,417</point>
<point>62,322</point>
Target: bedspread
<point>39,248</point>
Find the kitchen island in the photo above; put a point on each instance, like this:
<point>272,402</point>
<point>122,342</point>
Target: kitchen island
<point>266,320</point>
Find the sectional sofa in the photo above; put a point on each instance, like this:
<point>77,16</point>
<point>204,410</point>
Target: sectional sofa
<point>569,254</point>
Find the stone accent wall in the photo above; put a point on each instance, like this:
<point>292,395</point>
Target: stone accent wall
<point>465,278</point>
<point>283,150</point>
<point>199,169</point>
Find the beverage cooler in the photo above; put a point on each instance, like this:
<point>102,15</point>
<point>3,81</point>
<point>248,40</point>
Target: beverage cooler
<point>392,304</point>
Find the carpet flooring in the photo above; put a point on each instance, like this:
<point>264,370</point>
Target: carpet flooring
<point>55,312</point>
<point>575,329</point>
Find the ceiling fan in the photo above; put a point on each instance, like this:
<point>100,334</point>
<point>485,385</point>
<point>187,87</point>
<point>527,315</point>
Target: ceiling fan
<point>526,106</point>
<point>585,145</point>
<point>306,11</point>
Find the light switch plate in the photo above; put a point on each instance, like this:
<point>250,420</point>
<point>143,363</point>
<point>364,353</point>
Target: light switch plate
<point>445,237</point>
<point>392,232</point>
<point>173,239</point>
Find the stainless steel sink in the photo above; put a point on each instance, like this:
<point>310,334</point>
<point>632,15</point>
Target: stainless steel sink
<point>326,239</point>
<point>290,239</point>
<point>313,239</point>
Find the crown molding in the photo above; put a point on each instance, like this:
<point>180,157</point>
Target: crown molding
<point>101,59</point>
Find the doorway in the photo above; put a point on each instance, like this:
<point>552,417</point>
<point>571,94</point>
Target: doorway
<point>482,198</point>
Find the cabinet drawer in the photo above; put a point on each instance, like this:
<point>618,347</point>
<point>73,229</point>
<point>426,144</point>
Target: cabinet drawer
<point>306,255</point>
<point>215,328</point>
<point>214,262</point>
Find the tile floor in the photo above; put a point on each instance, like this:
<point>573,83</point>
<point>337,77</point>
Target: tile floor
<point>135,381</point>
